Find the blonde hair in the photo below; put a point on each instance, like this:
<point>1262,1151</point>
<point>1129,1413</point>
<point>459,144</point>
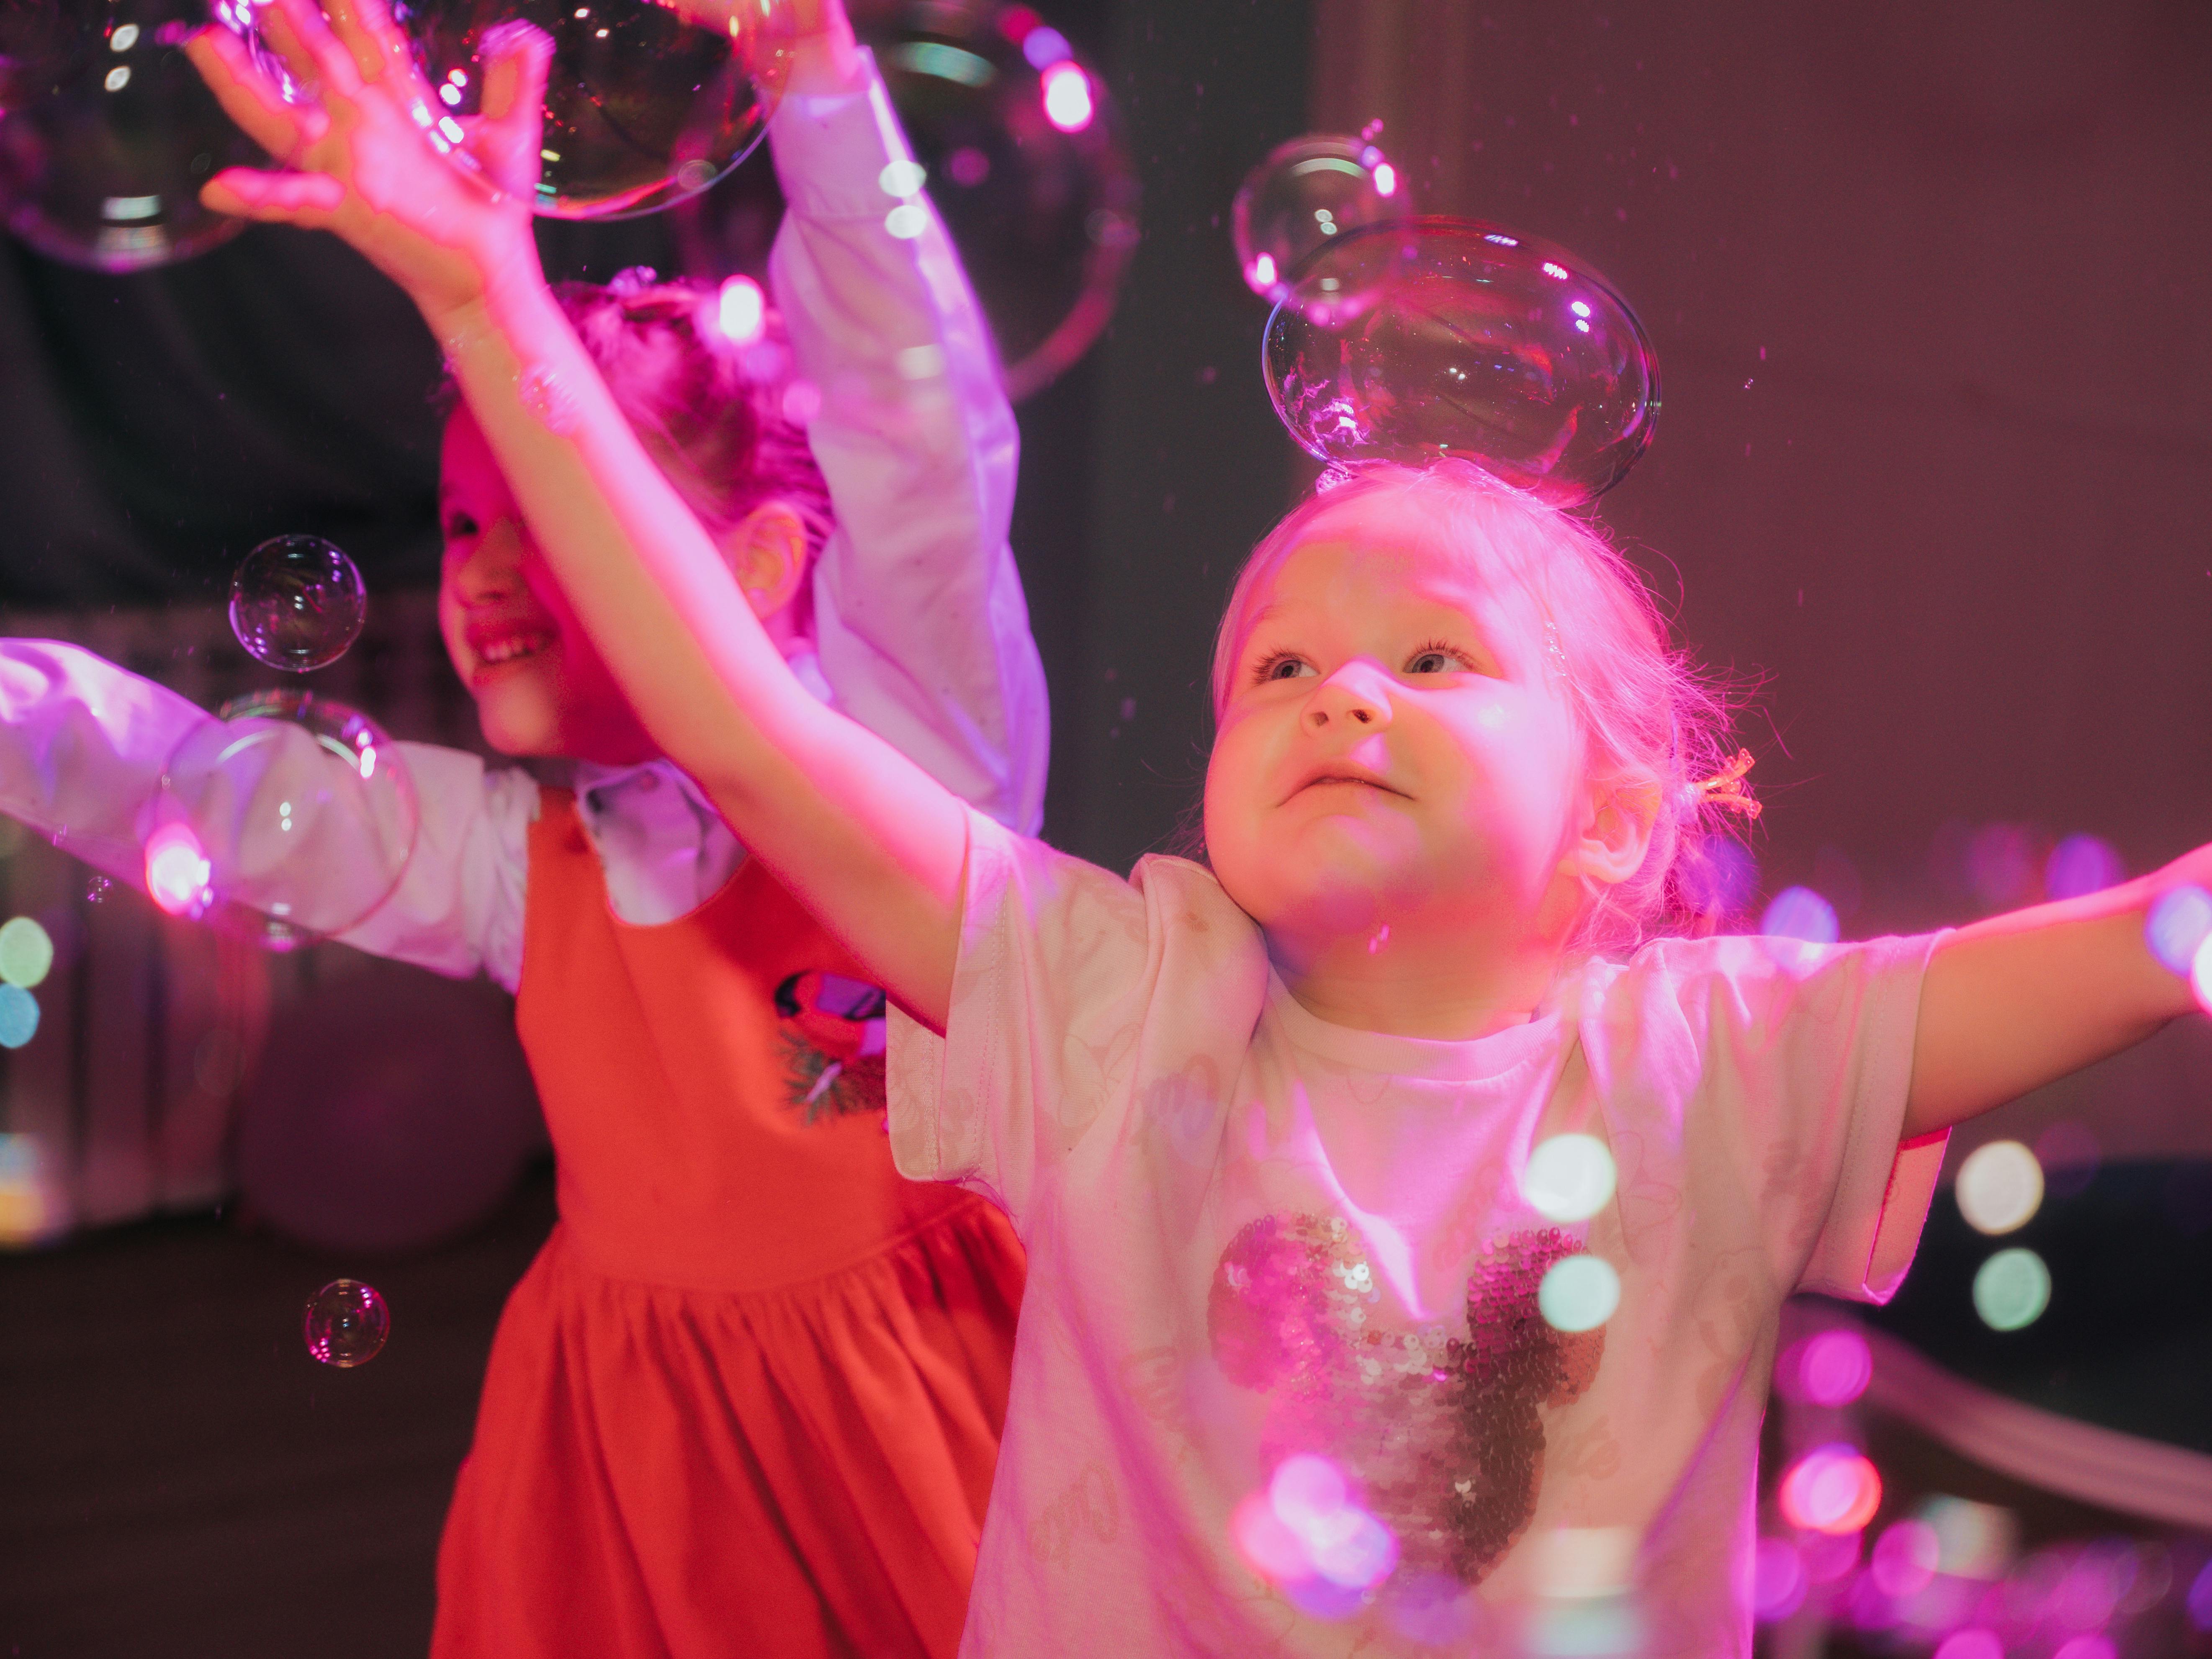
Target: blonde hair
<point>1653,722</point>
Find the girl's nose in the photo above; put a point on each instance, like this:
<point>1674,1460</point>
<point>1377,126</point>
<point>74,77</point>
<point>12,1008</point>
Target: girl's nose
<point>490,567</point>
<point>1354,696</point>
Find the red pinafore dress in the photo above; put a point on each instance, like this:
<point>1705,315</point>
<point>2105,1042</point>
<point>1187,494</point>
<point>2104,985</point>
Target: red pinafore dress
<point>746,1401</point>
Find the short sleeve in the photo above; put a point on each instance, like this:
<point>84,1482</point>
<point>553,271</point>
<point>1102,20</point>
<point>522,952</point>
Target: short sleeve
<point>1069,979</point>
<point>1804,1062</point>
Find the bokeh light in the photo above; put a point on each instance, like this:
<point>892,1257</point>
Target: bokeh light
<point>1975,1541</point>
<point>1777,1579</point>
<point>2088,1646</point>
<point>1068,104</point>
<point>2198,1602</point>
<point>19,1017</point>
<point>2080,866</point>
<point>2000,1187</point>
<point>1304,193</point>
<point>1578,1293</point>
<point>27,953</point>
<point>2180,921</point>
<point>2012,1289</point>
<point>2200,976</point>
<point>647,104</point>
<point>31,1205</point>
<point>1831,1489</point>
<point>2069,1155</point>
<point>1906,1558</point>
<point>1974,1643</point>
<point>297,602</point>
<point>1829,1557</point>
<point>1830,1368</point>
<point>741,310</point>
<point>1568,1177</point>
<point>288,817</point>
<point>1799,913</point>
<point>1449,338</point>
<point>1307,1530</point>
<point>346,1323</point>
<point>106,172</point>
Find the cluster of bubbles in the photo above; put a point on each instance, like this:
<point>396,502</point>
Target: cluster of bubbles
<point>1950,1577</point>
<point>27,956</point>
<point>1305,193</point>
<point>346,1323</point>
<point>288,816</point>
<point>1570,1178</point>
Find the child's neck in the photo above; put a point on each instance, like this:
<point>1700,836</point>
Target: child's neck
<point>1452,985</point>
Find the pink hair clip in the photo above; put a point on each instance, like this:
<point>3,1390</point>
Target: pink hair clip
<point>1726,787</point>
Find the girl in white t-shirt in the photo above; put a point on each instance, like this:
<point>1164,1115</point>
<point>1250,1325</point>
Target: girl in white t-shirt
<point>1296,1373</point>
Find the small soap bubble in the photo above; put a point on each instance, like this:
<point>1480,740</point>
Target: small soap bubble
<point>1305,193</point>
<point>19,1017</point>
<point>1568,1177</point>
<point>2180,923</point>
<point>1445,337</point>
<point>2012,1289</point>
<point>2000,1187</point>
<point>27,953</point>
<point>97,889</point>
<point>346,1323</point>
<point>297,602</point>
<point>1799,913</point>
<point>1578,1293</point>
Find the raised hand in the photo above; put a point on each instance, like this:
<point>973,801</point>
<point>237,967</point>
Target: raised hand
<point>362,146</point>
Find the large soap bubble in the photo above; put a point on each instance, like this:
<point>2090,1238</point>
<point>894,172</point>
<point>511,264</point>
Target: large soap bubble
<point>1305,194</point>
<point>645,103</point>
<point>1019,148</point>
<point>288,816</point>
<point>107,172</point>
<point>346,1323</point>
<point>297,602</point>
<point>41,43</point>
<point>1451,337</point>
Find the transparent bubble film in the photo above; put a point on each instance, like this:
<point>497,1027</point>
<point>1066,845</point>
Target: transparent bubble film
<point>1453,337</point>
<point>297,602</point>
<point>646,105</point>
<point>287,817</point>
<point>346,1323</point>
<point>106,171</point>
<point>41,43</point>
<point>1306,193</point>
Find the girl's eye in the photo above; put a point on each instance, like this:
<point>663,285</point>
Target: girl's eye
<point>1436,660</point>
<point>459,527</point>
<point>1282,665</point>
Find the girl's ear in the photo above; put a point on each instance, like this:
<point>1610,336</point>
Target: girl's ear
<point>1616,833</point>
<point>767,551</point>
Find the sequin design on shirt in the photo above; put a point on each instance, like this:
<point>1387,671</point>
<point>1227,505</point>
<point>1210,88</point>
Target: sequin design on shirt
<point>833,1032</point>
<point>1441,1430</point>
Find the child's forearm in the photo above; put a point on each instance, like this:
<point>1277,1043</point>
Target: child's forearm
<point>2019,1000</point>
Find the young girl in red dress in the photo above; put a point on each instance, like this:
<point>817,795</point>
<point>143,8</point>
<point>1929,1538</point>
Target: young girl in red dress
<point>748,1398</point>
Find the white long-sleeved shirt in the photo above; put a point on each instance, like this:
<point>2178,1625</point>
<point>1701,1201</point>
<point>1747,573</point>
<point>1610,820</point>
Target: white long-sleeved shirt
<point>921,632</point>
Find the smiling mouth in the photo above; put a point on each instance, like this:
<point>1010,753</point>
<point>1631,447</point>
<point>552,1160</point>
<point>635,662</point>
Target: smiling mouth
<point>513,648</point>
<point>1338,778</point>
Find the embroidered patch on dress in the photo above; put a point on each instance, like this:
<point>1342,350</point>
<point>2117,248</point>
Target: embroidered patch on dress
<point>1441,1430</point>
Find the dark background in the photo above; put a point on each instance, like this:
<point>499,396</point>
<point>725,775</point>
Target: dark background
<point>1928,286</point>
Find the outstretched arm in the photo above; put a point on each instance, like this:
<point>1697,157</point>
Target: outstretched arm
<point>2019,1000</point>
<point>867,840</point>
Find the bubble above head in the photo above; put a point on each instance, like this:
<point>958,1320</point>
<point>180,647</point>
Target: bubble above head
<point>297,602</point>
<point>646,105</point>
<point>346,1323</point>
<point>1452,337</point>
<point>287,817</point>
<point>1306,193</point>
<point>105,171</point>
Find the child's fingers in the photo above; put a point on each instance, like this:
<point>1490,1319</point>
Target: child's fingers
<point>365,29</point>
<point>247,94</point>
<point>282,197</point>
<point>505,142</point>
<point>303,39</point>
